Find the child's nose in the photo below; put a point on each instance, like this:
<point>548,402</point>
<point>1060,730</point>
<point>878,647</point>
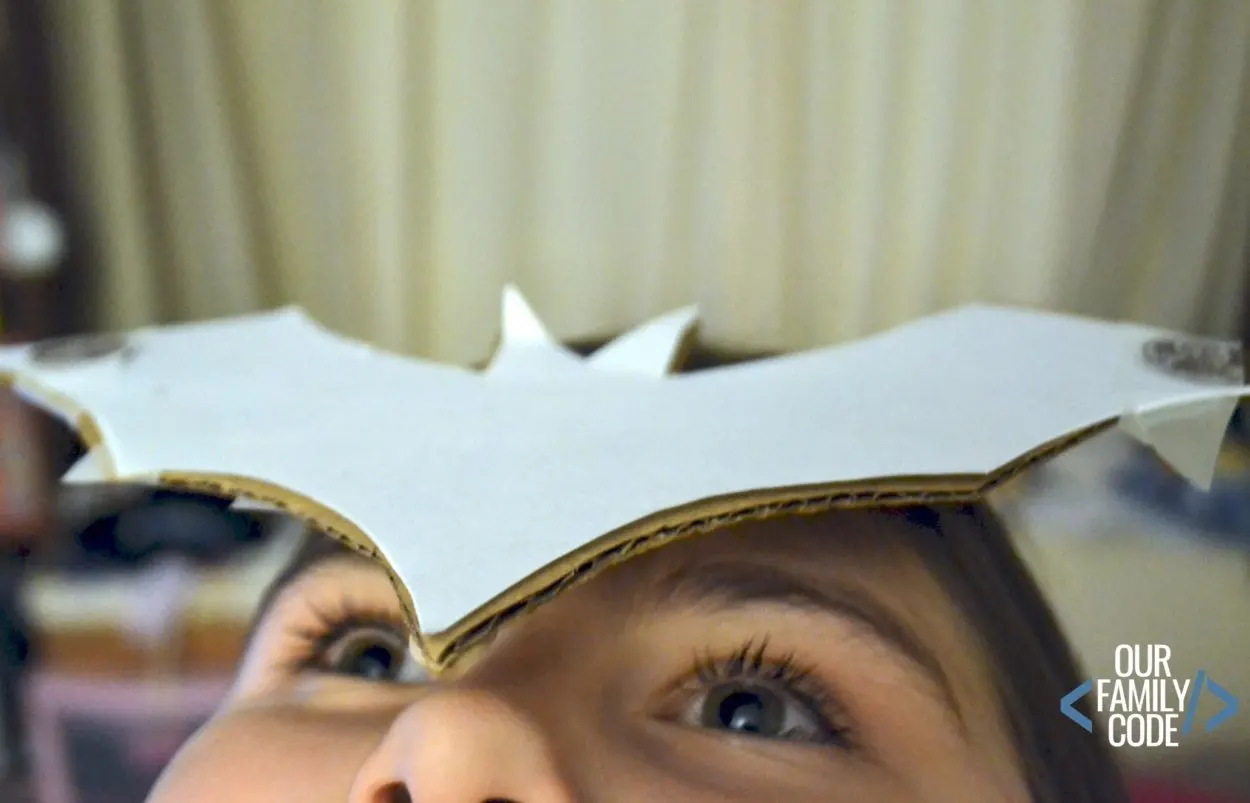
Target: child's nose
<point>461,746</point>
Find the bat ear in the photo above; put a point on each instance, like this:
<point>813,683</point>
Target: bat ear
<point>526,348</point>
<point>655,349</point>
<point>520,324</point>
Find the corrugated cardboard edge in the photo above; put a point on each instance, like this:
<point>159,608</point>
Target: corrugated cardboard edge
<point>440,651</point>
<point>68,410</point>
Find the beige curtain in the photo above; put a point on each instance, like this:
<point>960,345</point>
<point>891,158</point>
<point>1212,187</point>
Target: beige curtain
<point>805,171</point>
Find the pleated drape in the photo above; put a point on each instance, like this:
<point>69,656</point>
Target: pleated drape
<point>807,172</point>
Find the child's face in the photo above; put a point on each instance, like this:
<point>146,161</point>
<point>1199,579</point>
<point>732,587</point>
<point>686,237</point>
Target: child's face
<point>794,660</point>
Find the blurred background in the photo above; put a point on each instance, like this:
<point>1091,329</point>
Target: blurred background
<point>806,172</point>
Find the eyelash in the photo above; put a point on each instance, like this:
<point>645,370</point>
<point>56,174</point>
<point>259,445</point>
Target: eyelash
<point>753,663</point>
<point>750,663</point>
<point>314,641</point>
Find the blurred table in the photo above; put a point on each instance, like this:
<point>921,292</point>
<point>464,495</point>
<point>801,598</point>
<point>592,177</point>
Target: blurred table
<point>1116,574</point>
<point>82,622</point>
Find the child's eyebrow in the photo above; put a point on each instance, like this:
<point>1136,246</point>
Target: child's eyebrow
<point>725,585</point>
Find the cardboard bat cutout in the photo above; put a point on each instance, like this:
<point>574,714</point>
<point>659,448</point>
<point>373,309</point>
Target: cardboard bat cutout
<point>485,494</point>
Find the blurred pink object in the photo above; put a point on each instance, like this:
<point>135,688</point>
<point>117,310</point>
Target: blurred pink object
<point>106,741</point>
<point>164,591</point>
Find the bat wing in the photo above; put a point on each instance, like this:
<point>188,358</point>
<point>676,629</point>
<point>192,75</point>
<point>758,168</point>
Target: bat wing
<point>484,497</point>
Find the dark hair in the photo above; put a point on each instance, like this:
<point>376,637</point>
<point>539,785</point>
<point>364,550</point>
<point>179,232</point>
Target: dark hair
<point>1031,662</point>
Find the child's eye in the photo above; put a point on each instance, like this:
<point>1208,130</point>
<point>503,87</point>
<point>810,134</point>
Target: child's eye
<point>756,709</point>
<point>751,694</point>
<point>369,652</point>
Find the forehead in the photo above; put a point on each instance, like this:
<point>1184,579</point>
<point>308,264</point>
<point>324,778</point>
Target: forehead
<point>854,544</point>
<point>874,565</point>
<point>866,576</point>
<point>860,547</point>
<point>879,573</point>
